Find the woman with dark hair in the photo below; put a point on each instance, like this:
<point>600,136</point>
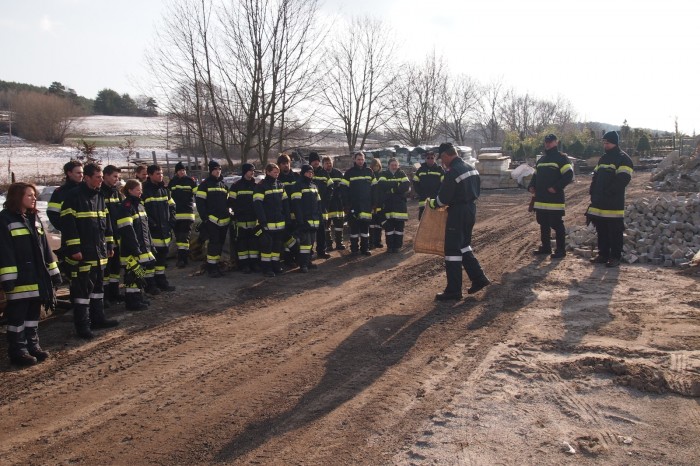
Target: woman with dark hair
<point>136,246</point>
<point>393,188</point>
<point>28,273</point>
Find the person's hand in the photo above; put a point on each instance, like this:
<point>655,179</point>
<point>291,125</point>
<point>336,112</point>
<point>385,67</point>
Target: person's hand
<point>551,190</point>
<point>431,203</point>
<point>78,256</point>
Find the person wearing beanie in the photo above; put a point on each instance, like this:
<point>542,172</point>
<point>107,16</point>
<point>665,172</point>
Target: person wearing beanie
<point>459,191</point>
<point>240,198</point>
<point>213,207</point>
<point>378,217</point>
<point>426,180</point>
<point>112,196</point>
<point>160,209</point>
<point>306,204</point>
<point>271,209</point>
<point>553,171</point>
<point>288,178</point>
<point>611,176</point>
<point>325,186</point>
<point>182,189</point>
<point>336,213</point>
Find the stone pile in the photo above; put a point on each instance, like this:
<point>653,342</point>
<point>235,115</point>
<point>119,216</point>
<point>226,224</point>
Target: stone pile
<point>677,173</point>
<point>663,231</point>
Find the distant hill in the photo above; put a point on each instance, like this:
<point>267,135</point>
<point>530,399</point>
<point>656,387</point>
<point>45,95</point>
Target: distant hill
<point>83,102</point>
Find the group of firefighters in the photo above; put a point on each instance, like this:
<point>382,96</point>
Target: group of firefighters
<point>110,228</point>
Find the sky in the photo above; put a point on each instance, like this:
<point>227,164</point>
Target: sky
<point>614,60</point>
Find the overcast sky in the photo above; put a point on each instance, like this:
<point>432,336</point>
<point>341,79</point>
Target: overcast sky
<point>613,59</point>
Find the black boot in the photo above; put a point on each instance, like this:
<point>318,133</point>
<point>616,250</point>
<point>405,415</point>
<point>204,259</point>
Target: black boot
<point>17,350</point>
<point>113,293</point>
<point>81,319</point>
<point>97,316</point>
<point>151,286</point>
<point>254,265</point>
<point>364,246</point>
<point>32,336</point>
<point>134,303</point>
<point>213,271</point>
<point>162,283</point>
<point>244,266</point>
<point>181,259</point>
<point>339,241</point>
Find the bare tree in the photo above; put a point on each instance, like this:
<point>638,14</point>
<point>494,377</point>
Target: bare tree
<point>358,78</point>
<point>416,102</point>
<point>528,116</point>
<point>488,115</point>
<point>460,104</point>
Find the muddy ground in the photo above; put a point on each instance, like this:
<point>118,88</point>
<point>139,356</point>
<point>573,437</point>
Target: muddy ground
<point>555,363</point>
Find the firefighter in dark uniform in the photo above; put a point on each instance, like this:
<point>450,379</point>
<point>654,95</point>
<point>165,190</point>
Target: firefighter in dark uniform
<point>306,203</point>
<point>357,199</point>
<point>212,205</point>
<point>182,189</point>
<point>271,206</point>
<point>553,171</point>
<point>288,179</point>
<point>241,202</point>
<point>74,175</point>
<point>28,273</point>
<point>136,247</point>
<point>607,210</point>
<point>378,217</point>
<point>325,186</point>
<point>113,198</point>
<point>336,213</point>
<point>426,180</point>
<point>393,188</point>
<point>459,191</point>
<point>87,242</point>
<point>160,209</point>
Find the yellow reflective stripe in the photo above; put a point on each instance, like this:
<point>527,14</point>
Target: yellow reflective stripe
<point>124,221</point>
<point>91,214</point>
<point>548,206</point>
<point>565,168</point>
<point>359,178</point>
<point>11,269</point>
<point>606,213</point>
<point>184,216</point>
<point>247,225</point>
<point>625,169</point>
<point>220,221</point>
<point>223,190</point>
<point>548,164</point>
<point>54,206</point>
<point>67,211</point>
<point>296,195</point>
<point>73,242</point>
<point>201,194</point>
<point>397,215</point>
<point>183,187</point>
<point>19,232</point>
<point>345,182</point>
<point>22,288</point>
<point>365,216</point>
<point>157,199</point>
<point>258,197</point>
<point>161,242</point>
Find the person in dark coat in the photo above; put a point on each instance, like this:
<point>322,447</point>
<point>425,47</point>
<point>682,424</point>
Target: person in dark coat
<point>240,197</point>
<point>553,172</point>
<point>28,273</point>
<point>271,209</point>
<point>213,208</point>
<point>136,248</point>
<point>324,184</point>
<point>113,198</point>
<point>88,243</point>
<point>306,203</point>
<point>160,208</point>
<point>459,191</point>
<point>426,180</point>
<point>74,175</point>
<point>378,217</point>
<point>336,213</point>
<point>393,188</point>
<point>182,190</point>
<point>607,210</point>
<point>357,199</point>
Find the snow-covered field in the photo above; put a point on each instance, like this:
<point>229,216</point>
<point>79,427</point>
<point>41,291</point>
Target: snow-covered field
<point>42,162</point>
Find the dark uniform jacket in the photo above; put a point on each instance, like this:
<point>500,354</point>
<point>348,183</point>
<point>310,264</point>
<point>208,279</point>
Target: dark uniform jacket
<point>182,190</point>
<point>113,198</point>
<point>426,181</point>
<point>26,261</point>
<point>610,178</point>
<point>135,236</point>
<point>461,186</point>
<point>552,170</point>
<point>393,188</point>
<point>335,201</point>
<point>271,204</point>
<point>325,186</point>
<point>357,192</point>
<point>306,203</point>
<point>241,202</point>
<point>53,209</point>
<point>288,180</point>
<point>85,226</point>
<point>160,208</point>
<point>212,201</point>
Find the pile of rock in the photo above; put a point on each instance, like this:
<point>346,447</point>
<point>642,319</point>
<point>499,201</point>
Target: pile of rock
<point>664,231</point>
<point>677,173</point>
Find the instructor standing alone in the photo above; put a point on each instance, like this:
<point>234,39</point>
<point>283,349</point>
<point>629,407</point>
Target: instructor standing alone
<point>459,191</point>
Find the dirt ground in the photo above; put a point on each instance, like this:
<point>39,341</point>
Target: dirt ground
<point>555,363</point>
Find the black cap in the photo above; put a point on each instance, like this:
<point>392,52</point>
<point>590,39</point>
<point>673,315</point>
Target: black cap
<point>550,137</point>
<point>306,168</point>
<point>246,167</point>
<point>213,165</point>
<point>612,137</point>
<point>314,157</point>
<point>445,146</point>
<point>179,166</point>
